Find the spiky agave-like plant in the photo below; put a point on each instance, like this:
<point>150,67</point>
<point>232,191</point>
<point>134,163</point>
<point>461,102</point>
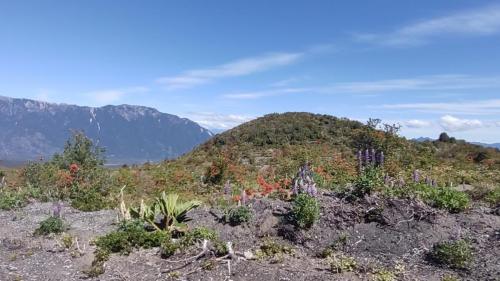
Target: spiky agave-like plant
<point>168,206</point>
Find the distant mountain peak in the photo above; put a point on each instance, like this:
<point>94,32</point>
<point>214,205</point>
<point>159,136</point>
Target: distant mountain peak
<point>130,133</point>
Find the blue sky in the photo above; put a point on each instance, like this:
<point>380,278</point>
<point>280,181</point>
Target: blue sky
<point>431,66</point>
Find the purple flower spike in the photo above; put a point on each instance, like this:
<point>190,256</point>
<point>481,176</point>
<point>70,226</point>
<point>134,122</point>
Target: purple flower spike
<point>373,157</point>
<point>56,209</point>
<point>416,176</point>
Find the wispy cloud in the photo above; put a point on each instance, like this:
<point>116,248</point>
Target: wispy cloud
<point>213,120</point>
<point>481,107</point>
<point>422,83</point>
<point>103,97</point>
<point>235,68</point>
<point>417,124</point>
<point>483,21</point>
<point>434,82</point>
<point>267,93</point>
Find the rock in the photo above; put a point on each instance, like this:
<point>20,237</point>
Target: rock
<point>267,225</point>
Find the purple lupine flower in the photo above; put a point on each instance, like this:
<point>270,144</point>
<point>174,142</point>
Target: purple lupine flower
<point>227,188</point>
<point>434,183</point>
<point>416,176</point>
<point>373,157</point>
<point>304,182</point>
<point>244,197</point>
<point>367,157</point>
<point>56,209</point>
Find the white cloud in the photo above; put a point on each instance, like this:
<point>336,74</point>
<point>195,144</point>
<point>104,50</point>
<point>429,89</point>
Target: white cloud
<point>213,120</point>
<point>114,95</point>
<point>417,124</point>
<point>481,107</point>
<point>483,21</point>
<point>434,82</point>
<point>267,93</point>
<point>239,67</point>
<point>421,83</point>
<point>452,124</point>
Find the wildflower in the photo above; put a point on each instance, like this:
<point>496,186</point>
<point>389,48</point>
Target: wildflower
<point>73,168</point>
<point>56,209</point>
<point>416,176</point>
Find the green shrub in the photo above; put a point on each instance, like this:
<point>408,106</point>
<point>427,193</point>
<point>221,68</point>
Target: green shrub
<point>449,199</point>
<point>449,278</point>
<point>238,215</point>
<point>370,179</point>
<point>341,263</point>
<point>10,200</point>
<point>130,235</point>
<point>80,150</point>
<point>456,254</point>
<point>88,200</point>
<point>274,250</point>
<point>440,197</point>
<point>385,275</point>
<point>168,247</point>
<point>50,225</point>
<point>305,210</point>
<point>493,196</point>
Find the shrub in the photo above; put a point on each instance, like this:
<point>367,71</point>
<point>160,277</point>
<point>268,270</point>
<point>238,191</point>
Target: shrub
<point>10,200</point>
<point>385,275</point>
<point>449,199</point>
<point>305,210</point>
<point>50,225</point>
<point>168,247</point>
<point>239,215</point>
<point>272,249</point>
<point>130,234</point>
<point>341,263</point>
<point>493,196</point>
<point>369,179</point>
<point>456,254</point>
<point>88,200</point>
<point>449,278</point>
<point>80,150</point>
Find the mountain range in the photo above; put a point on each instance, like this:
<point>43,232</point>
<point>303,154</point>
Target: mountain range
<point>31,130</point>
<point>490,145</point>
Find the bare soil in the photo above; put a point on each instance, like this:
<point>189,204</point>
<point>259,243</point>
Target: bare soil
<point>391,234</point>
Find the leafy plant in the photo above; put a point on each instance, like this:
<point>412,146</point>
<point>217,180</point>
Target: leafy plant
<point>173,211</point>
<point>493,197</point>
<point>88,200</point>
<point>50,225</point>
<point>130,235</point>
<point>238,215</point>
<point>305,210</point>
<point>385,275</point>
<point>10,200</point>
<point>456,254</point>
<point>341,263</point>
<point>274,250</point>
<point>369,179</point>
<point>449,199</point>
